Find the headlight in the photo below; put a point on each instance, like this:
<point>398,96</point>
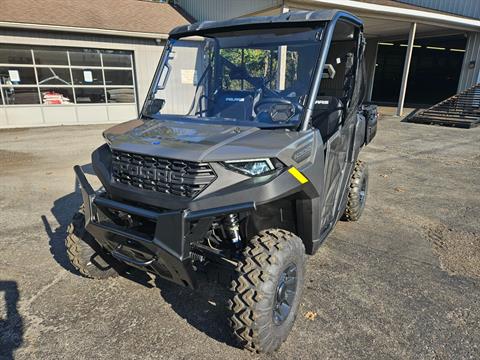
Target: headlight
<point>254,167</point>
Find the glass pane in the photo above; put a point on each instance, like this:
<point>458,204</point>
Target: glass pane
<point>54,76</point>
<point>85,57</point>
<point>57,96</point>
<point>50,57</point>
<point>17,76</point>
<point>120,95</point>
<point>234,56</point>
<point>116,59</point>
<point>90,95</point>
<point>118,77</point>
<point>19,96</point>
<point>14,55</point>
<point>87,77</point>
<point>292,72</point>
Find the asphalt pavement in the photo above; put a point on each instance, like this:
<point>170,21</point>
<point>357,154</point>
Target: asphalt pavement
<point>402,283</point>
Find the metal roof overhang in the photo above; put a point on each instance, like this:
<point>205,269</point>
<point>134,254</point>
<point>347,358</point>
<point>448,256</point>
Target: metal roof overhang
<point>383,21</point>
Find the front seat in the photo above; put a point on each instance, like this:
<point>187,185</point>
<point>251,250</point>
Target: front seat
<point>327,115</point>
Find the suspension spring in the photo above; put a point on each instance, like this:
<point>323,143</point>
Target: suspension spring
<point>233,229</point>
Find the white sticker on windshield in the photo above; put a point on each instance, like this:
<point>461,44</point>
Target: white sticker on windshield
<point>189,76</point>
<point>339,61</point>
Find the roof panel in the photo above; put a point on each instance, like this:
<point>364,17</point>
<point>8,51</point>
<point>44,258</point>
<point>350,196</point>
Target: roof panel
<point>122,15</point>
<point>290,17</point>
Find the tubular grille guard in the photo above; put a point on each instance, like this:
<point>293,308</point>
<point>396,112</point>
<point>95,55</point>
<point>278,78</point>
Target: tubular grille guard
<point>176,177</point>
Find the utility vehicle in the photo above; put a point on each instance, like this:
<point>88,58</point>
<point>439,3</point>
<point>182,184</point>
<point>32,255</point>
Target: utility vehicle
<point>244,157</point>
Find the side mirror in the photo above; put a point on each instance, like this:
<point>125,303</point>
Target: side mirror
<point>155,106</point>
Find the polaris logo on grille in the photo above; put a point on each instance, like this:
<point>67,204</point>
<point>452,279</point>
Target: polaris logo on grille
<point>152,174</point>
<point>168,176</point>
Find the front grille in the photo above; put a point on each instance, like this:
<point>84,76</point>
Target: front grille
<point>176,177</point>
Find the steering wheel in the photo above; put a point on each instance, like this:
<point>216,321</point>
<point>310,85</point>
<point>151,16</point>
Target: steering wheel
<point>280,109</point>
<point>273,100</point>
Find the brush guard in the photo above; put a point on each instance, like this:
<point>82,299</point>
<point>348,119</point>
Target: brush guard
<point>166,251</point>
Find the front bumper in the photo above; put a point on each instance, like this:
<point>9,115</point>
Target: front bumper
<point>166,250</point>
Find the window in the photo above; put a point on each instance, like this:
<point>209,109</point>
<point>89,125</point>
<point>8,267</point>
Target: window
<point>56,96</point>
<point>342,59</point>
<point>257,63</point>
<point>51,57</point>
<point>120,95</point>
<point>63,76</point>
<point>13,75</point>
<point>118,77</point>
<point>116,59</point>
<point>20,95</point>
<point>54,76</point>
<point>334,98</point>
<point>240,76</point>
<point>90,95</point>
<point>10,54</point>
<point>86,57</point>
<point>87,76</point>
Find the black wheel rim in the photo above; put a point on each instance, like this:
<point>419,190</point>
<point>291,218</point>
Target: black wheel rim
<point>285,294</point>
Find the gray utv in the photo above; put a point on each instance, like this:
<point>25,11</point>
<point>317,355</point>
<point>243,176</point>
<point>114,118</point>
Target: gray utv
<point>243,159</point>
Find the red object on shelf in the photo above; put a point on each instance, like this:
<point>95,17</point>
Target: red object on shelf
<point>54,98</point>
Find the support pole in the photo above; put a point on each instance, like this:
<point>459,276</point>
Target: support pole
<point>282,67</point>
<point>282,61</point>
<point>371,53</point>
<point>406,68</point>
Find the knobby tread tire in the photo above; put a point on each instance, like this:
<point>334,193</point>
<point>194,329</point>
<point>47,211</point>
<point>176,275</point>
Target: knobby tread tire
<point>354,207</point>
<point>85,254</point>
<point>253,290</point>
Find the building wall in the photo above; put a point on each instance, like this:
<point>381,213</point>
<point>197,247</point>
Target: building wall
<point>146,54</point>
<point>219,10</point>
<point>470,8</point>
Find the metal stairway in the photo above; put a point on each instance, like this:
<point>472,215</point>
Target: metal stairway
<point>461,110</point>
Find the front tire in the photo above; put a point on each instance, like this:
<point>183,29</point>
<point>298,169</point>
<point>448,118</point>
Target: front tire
<point>357,192</point>
<point>267,290</point>
<point>86,255</point>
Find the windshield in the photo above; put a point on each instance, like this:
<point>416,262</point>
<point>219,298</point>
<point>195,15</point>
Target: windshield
<point>251,77</point>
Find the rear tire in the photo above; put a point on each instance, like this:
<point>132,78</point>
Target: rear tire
<point>357,192</point>
<point>86,255</point>
<point>267,290</point>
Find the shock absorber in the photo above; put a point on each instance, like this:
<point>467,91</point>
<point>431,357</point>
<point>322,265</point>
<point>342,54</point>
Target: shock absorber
<point>233,229</point>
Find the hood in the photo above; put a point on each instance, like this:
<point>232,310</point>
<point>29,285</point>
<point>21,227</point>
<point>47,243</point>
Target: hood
<point>197,141</point>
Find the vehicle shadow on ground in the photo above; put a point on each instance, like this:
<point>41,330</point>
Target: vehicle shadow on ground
<point>205,308</point>
<point>63,210</point>
<point>11,326</point>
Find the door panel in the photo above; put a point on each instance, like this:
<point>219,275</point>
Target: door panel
<point>336,166</point>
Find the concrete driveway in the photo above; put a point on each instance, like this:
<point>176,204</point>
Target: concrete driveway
<point>403,282</point>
